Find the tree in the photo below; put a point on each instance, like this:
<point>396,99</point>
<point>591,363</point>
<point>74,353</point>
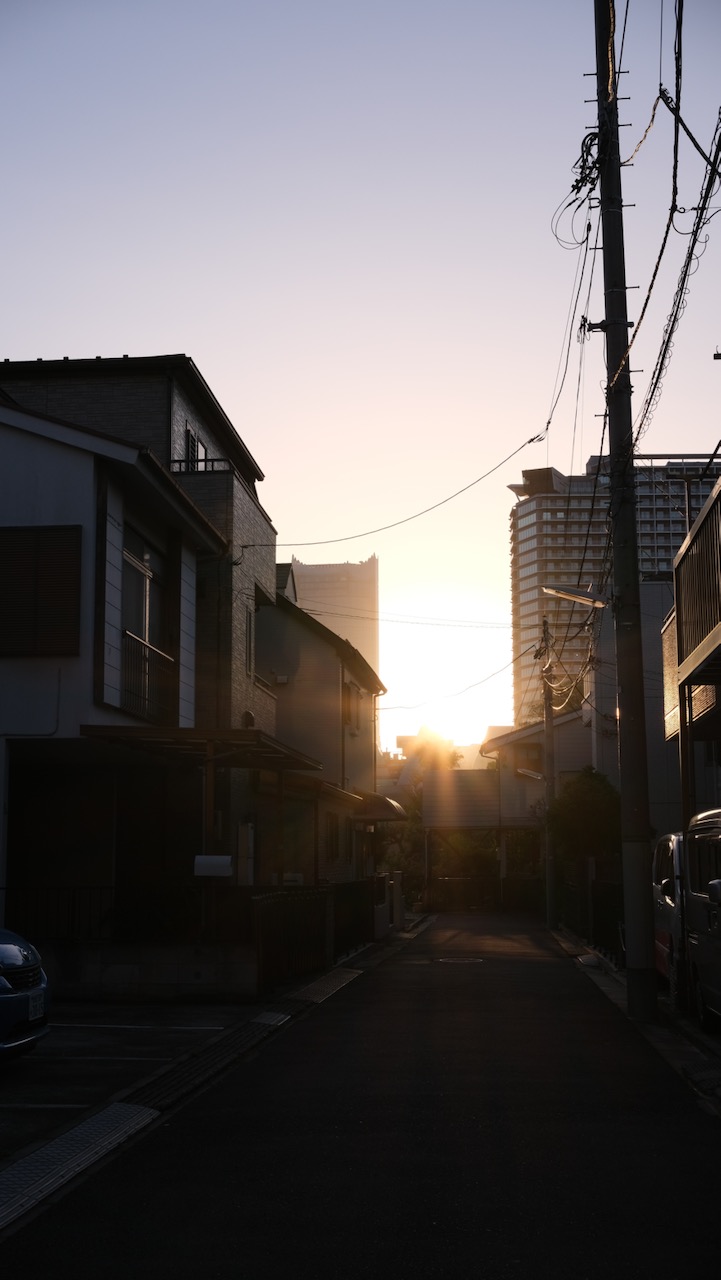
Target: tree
<point>585,819</point>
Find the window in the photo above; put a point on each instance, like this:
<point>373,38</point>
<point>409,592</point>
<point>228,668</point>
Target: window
<point>147,688</point>
<point>528,755</point>
<point>663,868</point>
<point>144,608</point>
<point>704,862</point>
<point>249,634</point>
<point>195,451</point>
<point>351,706</point>
<point>40,591</point>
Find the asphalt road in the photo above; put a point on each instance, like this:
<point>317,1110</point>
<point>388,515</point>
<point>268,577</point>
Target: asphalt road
<point>473,1105</point>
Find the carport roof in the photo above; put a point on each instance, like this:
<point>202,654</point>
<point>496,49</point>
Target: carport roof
<point>379,808</point>
<point>229,748</point>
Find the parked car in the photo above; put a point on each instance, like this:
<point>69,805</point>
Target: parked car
<point>669,942</point>
<point>23,995</point>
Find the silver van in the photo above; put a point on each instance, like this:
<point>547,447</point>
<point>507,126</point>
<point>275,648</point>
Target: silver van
<point>669,942</point>
<point>702,912</point>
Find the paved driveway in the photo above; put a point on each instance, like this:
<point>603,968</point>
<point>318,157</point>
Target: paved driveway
<point>91,1054</point>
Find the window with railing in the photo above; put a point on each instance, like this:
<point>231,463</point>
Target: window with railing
<point>147,665</point>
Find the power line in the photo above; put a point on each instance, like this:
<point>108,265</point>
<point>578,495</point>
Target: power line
<point>442,697</point>
<point>369,533</point>
<point>329,612</point>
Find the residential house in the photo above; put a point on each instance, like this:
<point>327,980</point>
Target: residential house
<point>135,733</point>
<point>100,551</point>
<point>520,760</point>
<point>326,695</point>
<point>146,784</point>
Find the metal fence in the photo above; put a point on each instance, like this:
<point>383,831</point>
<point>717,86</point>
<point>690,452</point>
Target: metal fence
<point>60,914</point>
<point>295,931</point>
<point>353,915</point>
<point>291,931</point>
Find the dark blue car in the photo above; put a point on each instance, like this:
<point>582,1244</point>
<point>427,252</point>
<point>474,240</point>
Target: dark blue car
<point>23,995</point>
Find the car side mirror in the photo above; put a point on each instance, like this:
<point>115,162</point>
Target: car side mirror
<point>714,892</point>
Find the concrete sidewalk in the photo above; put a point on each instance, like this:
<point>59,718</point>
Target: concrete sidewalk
<point>693,1053</point>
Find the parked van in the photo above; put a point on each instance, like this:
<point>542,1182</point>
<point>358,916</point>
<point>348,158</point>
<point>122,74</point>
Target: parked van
<point>702,908</point>
<point>687,912</point>
<point>668,913</point>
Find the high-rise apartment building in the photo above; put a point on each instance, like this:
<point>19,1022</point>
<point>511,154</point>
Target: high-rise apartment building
<point>560,536</point>
<point>344,597</point>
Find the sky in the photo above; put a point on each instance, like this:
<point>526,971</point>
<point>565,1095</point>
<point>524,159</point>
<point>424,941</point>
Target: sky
<point>347,214</point>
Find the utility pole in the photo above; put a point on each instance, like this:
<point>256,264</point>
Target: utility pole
<point>549,774</point>
<point>635,822</point>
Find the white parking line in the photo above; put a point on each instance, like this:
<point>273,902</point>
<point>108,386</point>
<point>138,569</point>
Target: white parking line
<point>131,1026</point>
<point>43,1106</point>
<point>108,1057</point>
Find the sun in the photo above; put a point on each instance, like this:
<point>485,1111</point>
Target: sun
<point>446,664</point>
<point>462,720</point>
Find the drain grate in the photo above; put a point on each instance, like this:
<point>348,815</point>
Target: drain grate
<point>169,1088</point>
<point>270,1019</point>
<point>328,985</point>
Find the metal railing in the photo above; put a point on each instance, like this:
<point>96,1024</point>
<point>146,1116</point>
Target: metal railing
<point>194,466</point>
<point>148,680</point>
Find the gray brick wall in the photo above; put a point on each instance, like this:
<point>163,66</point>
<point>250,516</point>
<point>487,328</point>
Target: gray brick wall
<point>136,409</point>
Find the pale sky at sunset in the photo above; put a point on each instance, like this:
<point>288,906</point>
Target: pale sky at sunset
<point>341,210</point>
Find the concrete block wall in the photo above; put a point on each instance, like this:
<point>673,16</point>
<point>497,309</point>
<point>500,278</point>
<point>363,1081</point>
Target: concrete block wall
<point>114,971</point>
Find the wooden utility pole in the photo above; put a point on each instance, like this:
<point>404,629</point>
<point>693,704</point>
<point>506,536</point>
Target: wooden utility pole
<point>549,772</point>
<point>635,822</point>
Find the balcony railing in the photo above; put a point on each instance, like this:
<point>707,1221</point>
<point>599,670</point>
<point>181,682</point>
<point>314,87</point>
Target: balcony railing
<point>148,680</point>
<point>192,466</point>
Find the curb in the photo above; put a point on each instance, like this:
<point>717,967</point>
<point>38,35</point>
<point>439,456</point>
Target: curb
<point>692,1054</point>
